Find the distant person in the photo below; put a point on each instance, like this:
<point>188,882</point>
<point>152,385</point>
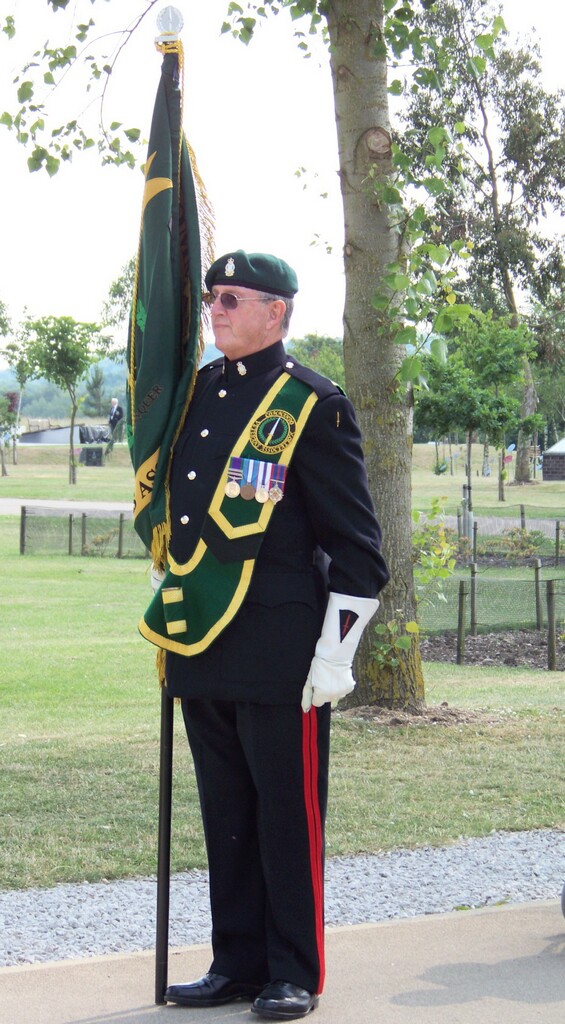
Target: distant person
<point>116,414</point>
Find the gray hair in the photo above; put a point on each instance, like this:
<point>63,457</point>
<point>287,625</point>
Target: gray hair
<point>289,307</point>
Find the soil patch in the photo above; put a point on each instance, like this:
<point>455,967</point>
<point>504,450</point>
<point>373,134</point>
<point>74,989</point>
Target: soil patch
<point>519,647</point>
<point>442,714</point>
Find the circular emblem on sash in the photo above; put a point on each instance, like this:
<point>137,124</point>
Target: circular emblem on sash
<point>272,432</point>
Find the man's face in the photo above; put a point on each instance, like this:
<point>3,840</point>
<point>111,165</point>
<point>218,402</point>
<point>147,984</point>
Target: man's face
<point>252,325</point>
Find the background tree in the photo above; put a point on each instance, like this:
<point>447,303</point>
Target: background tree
<point>8,416</point>
<point>62,351</point>
<point>117,307</point>
<point>478,389</point>
<point>95,399</point>
<point>547,323</point>
<point>5,324</point>
<point>512,172</point>
<point>325,355</point>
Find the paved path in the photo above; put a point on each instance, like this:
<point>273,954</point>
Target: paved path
<point>503,964</point>
<point>12,506</point>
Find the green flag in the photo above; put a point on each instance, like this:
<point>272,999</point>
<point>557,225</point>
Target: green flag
<point>164,343</point>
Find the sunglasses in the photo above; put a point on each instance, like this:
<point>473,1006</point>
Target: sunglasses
<point>230,301</point>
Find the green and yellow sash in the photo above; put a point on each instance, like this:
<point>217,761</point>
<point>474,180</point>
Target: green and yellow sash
<point>199,598</point>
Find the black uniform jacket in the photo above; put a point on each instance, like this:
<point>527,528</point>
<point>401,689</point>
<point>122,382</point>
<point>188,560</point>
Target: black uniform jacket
<point>322,535</point>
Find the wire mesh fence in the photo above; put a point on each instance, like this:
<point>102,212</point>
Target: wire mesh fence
<point>492,604</point>
<point>481,603</point>
<point>88,534</point>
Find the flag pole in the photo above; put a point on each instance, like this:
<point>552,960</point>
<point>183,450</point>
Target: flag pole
<point>169,23</point>
<point>164,846</point>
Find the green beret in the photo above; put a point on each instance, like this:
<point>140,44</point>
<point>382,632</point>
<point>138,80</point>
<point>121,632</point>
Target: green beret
<point>256,270</point>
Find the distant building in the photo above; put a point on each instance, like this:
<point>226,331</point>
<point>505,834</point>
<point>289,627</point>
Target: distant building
<point>553,464</point>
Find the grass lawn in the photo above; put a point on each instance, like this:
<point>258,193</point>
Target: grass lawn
<point>542,500</point>
<point>42,472</point>
<point>79,740</point>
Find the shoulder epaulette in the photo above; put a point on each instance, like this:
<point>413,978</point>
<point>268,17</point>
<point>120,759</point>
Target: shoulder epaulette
<point>322,386</point>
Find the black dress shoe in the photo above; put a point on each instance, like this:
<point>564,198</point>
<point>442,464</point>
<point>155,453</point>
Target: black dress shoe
<point>281,1000</point>
<point>211,990</point>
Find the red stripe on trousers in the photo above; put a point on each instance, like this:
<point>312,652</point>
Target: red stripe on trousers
<point>314,822</point>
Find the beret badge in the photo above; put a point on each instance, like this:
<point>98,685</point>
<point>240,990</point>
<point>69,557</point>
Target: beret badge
<point>229,269</point>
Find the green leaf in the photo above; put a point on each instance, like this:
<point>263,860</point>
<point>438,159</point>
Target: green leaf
<point>132,134</point>
<point>427,284</point>
<point>438,349</point>
<point>435,186</point>
<point>438,253</point>
<point>438,135</point>
<point>404,643</point>
<point>410,369</point>
<point>380,301</point>
<point>25,92</point>
<point>406,336</point>
<point>484,42</point>
<point>396,88</point>
<point>398,282</point>
<point>477,66</point>
<point>9,28</point>
<point>391,196</point>
<point>6,119</point>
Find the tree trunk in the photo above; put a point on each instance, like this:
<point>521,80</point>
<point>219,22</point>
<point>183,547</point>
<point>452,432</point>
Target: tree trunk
<point>501,471</point>
<point>522,473</point>
<point>371,359</point>
<point>72,460</point>
<point>3,458</point>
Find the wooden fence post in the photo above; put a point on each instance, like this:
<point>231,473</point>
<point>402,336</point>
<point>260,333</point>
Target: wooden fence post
<point>461,622</point>
<point>23,530</point>
<point>121,536</point>
<point>537,588</point>
<point>70,533</point>
<point>557,540</point>
<point>523,517</point>
<point>473,568</point>
<point>551,646</point>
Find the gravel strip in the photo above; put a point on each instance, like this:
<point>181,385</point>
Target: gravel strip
<point>70,921</point>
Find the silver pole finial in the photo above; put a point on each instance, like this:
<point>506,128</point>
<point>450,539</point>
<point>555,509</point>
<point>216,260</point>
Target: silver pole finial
<point>169,22</point>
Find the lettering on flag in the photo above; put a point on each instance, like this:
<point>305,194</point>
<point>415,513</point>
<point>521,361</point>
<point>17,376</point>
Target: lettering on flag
<point>144,479</point>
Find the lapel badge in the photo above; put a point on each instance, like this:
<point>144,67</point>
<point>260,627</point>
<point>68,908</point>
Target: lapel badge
<point>241,368</point>
<point>229,269</point>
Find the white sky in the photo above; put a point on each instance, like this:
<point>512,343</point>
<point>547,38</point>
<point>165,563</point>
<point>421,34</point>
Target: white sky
<point>253,115</point>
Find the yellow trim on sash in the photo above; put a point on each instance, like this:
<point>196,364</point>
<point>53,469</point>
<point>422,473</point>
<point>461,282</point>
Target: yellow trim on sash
<point>260,525</point>
<point>178,626</point>
<point>183,569</point>
<point>215,630</point>
<point>171,595</point>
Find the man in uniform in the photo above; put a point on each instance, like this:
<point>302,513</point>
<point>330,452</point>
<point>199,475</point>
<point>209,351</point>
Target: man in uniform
<point>273,570</point>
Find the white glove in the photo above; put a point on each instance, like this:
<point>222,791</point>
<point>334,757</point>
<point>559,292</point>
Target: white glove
<point>330,677</point>
<point>157,577</point>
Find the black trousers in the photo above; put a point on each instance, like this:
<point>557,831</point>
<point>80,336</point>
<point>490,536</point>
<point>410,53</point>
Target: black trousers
<point>262,775</point>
